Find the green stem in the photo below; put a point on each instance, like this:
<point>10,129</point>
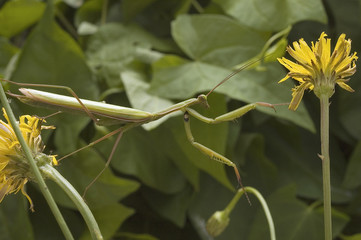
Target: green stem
<point>197,6</point>
<point>66,23</point>
<point>83,208</point>
<point>103,17</point>
<point>264,205</point>
<point>325,157</point>
<point>272,39</point>
<point>43,188</point>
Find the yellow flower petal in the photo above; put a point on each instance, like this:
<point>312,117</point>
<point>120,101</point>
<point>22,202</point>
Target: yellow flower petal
<point>297,94</point>
<point>3,190</point>
<point>325,45</point>
<point>14,171</point>
<point>340,42</point>
<point>317,69</point>
<point>345,86</point>
<point>55,162</point>
<point>293,67</point>
<point>27,196</point>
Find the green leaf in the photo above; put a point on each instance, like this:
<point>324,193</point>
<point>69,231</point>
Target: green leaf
<point>130,8</point>
<point>109,218</point>
<point>82,169</point>
<point>67,130</point>
<point>213,197</point>
<point>60,59</point>
<point>74,3</point>
<point>212,42</point>
<point>14,216</point>
<point>141,154</point>
<point>116,45</point>
<point>172,207</point>
<point>349,114</point>
<point>295,153</point>
<point>180,158</point>
<point>7,51</point>
<point>216,39</point>
<point>352,177</point>
<point>135,236</point>
<point>16,16</point>
<point>353,237</point>
<point>273,15</point>
<point>151,57</point>
<point>294,219</point>
<point>90,12</point>
<point>177,78</point>
<point>44,215</point>
<point>136,88</point>
<point>51,56</point>
<point>258,170</point>
<point>213,136</point>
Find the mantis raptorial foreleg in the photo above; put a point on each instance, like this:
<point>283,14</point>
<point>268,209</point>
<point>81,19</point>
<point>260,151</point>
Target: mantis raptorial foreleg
<point>230,116</point>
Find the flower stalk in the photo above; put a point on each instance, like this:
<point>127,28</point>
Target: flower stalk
<point>20,152</point>
<point>319,70</point>
<point>38,177</point>
<point>325,158</point>
<point>83,208</point>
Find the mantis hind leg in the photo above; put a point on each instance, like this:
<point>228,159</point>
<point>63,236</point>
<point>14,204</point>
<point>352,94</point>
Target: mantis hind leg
<point>120,134</point>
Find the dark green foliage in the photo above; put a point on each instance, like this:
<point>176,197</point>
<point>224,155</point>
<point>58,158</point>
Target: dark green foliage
<point>149,54</point>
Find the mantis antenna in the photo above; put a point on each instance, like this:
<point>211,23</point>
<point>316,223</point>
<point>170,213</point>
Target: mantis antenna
<point>235,72</point>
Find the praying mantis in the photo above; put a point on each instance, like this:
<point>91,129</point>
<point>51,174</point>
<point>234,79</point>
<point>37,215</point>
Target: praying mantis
<point>108,114</point>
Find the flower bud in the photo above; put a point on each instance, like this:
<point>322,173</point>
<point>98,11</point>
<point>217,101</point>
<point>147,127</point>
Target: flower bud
<point>217,223</point>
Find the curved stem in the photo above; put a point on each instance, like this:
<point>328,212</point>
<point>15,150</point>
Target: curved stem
<point>39,178</point>
<point>264,205</point>
<point>265,210</point>
<point>269,42</point>
<point>66,23</point>
<point>325,157</point>
<point>104,13</point>
<point>197,6</point>
<point>54,175</point>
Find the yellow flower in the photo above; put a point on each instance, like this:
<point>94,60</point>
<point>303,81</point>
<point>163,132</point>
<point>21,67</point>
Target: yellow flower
<point>15,171</point>
<point>317,69</point>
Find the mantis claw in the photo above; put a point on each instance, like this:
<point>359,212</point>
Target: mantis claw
<point>240,183</point>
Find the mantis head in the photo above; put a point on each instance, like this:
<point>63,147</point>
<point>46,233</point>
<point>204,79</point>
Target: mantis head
<point>202,99</point>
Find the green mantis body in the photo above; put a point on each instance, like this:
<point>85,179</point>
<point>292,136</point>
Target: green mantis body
<point>104,113</point>
<point>108,114</point>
